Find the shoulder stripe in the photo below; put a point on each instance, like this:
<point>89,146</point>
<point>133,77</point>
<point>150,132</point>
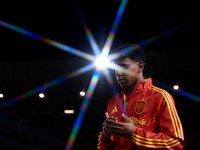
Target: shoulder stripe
<point>169,108</point>
<point>177,124</point>
<point>162,143</point>
<point>175,118</point>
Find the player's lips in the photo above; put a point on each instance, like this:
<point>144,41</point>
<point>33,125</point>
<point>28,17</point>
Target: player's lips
<point>121,80</point>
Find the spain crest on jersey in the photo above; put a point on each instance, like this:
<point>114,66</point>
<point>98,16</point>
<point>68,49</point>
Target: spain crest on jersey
<point>140,106</point>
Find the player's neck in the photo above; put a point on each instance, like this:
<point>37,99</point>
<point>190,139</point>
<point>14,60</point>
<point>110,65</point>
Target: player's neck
<point>130,89</point>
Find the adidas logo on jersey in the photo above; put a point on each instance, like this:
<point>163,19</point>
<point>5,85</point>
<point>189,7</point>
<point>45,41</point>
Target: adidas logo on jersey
<point>114,110</point>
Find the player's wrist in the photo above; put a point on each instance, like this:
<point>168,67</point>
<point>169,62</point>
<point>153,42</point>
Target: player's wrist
<point>134,130</point>
<point>106,136</point>
<point>107,139</point>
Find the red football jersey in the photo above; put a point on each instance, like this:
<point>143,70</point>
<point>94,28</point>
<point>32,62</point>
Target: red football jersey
<point>154,114</point>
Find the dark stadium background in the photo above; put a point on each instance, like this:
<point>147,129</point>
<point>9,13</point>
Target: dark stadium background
<point>25,63</point>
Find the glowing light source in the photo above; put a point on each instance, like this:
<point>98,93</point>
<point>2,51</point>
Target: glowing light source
<point>102,62</point>
<point>96,75</point>
<point>69,111</point>
<point>1,95</point>
<point>41,95</point>
<point>175,87</point>
<point>82,93</point>
<point>95,47</point>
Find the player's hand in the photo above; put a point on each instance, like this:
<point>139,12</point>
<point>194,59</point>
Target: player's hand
<point>104,129</point>
<point>123,129</point>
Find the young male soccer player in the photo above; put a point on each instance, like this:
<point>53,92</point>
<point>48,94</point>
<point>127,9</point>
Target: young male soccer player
<point>141,116</point>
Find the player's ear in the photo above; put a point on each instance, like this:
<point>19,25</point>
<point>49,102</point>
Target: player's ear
<point>141,65</point>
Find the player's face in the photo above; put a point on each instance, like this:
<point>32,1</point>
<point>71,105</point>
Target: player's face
<point>127,80</point>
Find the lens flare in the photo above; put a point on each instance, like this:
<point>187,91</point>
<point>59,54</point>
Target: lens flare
<point>165,33</point>
<point>96,49</point>
<point>48,41</point>
<point>114,27</point>
<point>116,55</point>
<point>179,91</point>
<point>96,75</point>
<point>102,62</point>
<point>48,85</point>
<point>82,111</point>
<point>89,34</point>
<point>110,81</point>
<point>148,41</point>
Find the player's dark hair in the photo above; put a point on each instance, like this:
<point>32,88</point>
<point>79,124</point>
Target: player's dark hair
<point>130,50</point>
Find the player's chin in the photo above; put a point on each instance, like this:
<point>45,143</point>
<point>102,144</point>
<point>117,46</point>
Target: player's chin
<point>123,85</point>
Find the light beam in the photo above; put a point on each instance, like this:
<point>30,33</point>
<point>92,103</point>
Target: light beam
<point>96,50</point>
<point>165,33</point>
<point>149,40</point>
<point>89,34</point>
<point>179,91</point>
<point>48,41</point>
<point>82,111</point>
<point>110,81</point>
<point>48,85</point>
<point>95,77</point>
<point>114,27</point>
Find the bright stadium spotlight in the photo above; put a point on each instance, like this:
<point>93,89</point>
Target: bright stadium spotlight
<point>102,62</point>
<point>1,95</point>
<point>176,87</point>
<point>69,111</point>
<point>82,93</point>
<point>41,95</point>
